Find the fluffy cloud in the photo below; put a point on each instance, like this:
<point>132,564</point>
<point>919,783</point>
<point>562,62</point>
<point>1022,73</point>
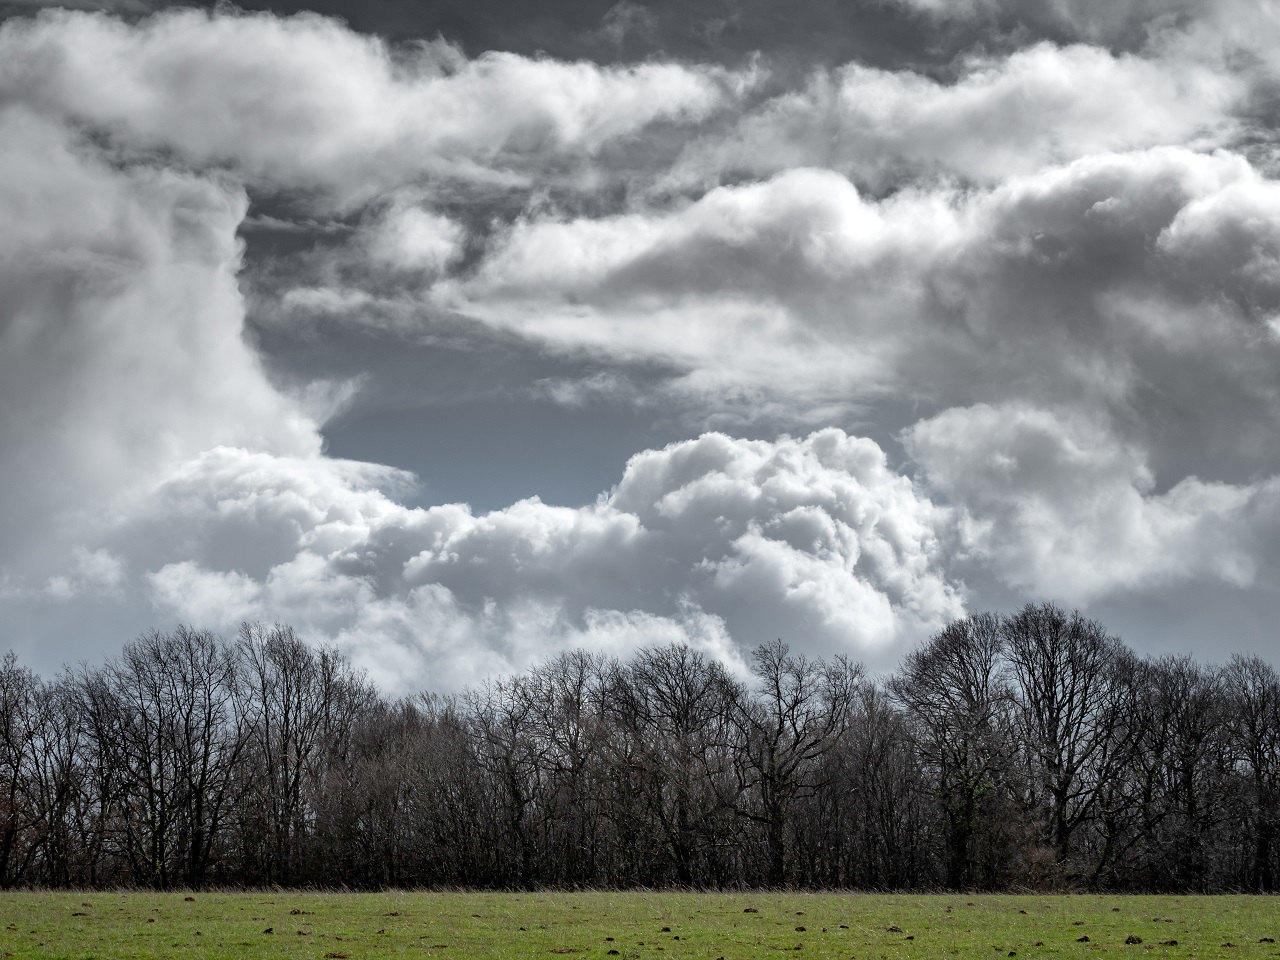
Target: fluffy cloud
<point>1114,278</point>
<point>94,574</point>
<point>1001,117</point>
<point>230,511</point>
<point>306,102</point>
<point>719,542</point>
<point>797,286</point>
<point>120,337</point>
<point>409,237</point>
<point>1134,295</point>
<point>1038,276</point>
<point>1109,287</point>
<point>1062,507</point>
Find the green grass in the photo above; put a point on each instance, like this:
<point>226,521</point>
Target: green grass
<point>121,926</point>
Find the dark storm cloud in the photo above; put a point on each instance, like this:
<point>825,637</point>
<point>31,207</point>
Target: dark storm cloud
<point>918,34</point>
<point>723,31</point>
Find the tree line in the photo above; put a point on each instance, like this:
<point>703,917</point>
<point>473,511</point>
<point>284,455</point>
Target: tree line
<point>1033,750</point>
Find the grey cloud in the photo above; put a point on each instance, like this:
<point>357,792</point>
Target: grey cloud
<point>718,31</point>
<point>1080,281</point>
<point>1107,282</point>
<point>625,20</point>
<point>1113,22</point>
<point>124,8</point>
<point>1118,290</point>
<point>1031,267</point>
<point>1000,117</point>
<point>305,102</point>
<point>120,329</point>
<point>1062,507</point>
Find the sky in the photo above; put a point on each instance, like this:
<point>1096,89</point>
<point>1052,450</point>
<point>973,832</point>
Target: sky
<point>459,334</point>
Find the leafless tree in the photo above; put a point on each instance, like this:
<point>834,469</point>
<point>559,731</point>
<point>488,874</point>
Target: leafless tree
<point>670,708</point>
<point>1252,688</point>
<point>165,720</point>
<point>884,835</point>
<point>960,705</point>
<point>1198,763</point>
<point>20,815</point>
<point>511,756</point>
<point>1033,749</point>
<point>568,695</point>
<point>788,722</point>
<point>1068,695</point>
<point>300,704</point>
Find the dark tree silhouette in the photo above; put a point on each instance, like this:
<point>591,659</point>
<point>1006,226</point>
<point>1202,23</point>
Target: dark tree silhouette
<point>1029,750</point>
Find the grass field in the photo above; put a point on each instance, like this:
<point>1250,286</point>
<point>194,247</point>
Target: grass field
<point>739,926</point>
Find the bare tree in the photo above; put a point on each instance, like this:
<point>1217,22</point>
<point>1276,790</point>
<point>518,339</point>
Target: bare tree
<point>670,709</point>
<point>454,836</point>
<point>1196,769</point>
<point>165,721</point>
<point>1127,802</point>
<point>510,755</point>
<point>1032,749</point>
<point>794,716</point>
<point>884,833</point>
<point>960,705</point>
<point>1068,693</point>
<point>20,815</point>
<point>300,704</point>
<point>281,684</point>
<point>57,788</point>
<point>1253,690</point>
<point>568,695</point>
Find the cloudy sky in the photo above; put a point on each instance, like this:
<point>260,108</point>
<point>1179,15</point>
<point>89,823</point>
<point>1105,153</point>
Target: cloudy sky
<point>461,333</point>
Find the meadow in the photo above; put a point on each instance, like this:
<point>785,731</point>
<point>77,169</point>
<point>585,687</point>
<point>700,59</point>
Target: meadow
<point>733,926</point>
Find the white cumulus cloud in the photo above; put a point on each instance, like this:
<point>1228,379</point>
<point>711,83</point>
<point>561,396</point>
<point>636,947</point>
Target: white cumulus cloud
<point>719,542</point>
<point>1062,507</point>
